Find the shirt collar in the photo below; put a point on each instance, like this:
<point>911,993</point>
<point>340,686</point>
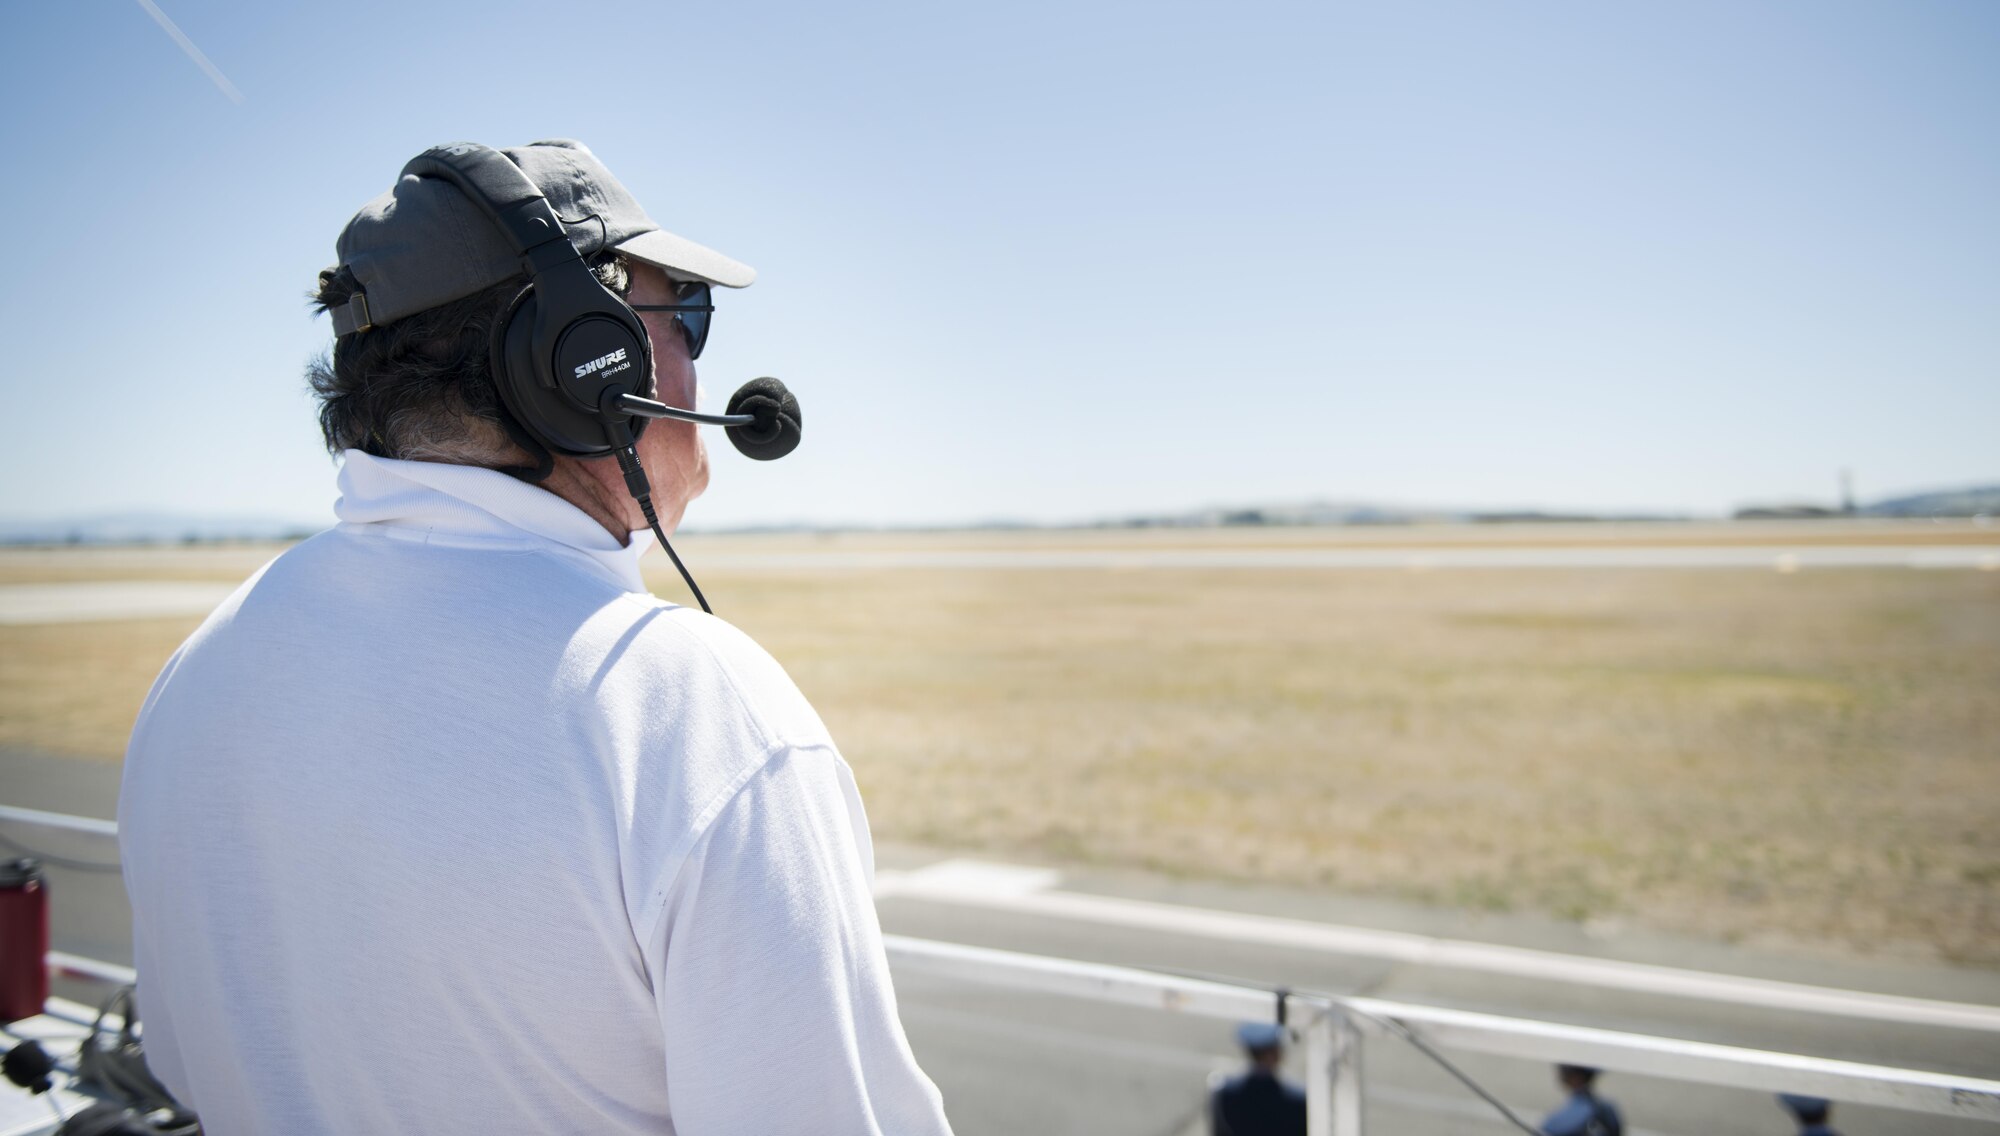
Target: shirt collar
<point>473,507</point>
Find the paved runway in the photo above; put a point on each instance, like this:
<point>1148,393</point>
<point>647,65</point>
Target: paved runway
<point>112,600</point>
<point>1011,1063</point>
<point>68,603</point>
<point>1781,558</point>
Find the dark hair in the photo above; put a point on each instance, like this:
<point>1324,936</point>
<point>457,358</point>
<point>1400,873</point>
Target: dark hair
<point>422,388</point>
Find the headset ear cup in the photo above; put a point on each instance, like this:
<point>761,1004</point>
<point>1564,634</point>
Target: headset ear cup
<point>530,391</point>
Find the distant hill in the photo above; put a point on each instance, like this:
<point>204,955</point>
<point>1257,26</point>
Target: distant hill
<point>151,528</point>
<point>1972,502</point>
<point>1363,513</point>
<point>140,527</point>
<point>1308,513</point>
<point>1943,503</point>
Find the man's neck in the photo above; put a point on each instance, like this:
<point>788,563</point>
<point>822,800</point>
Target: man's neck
<point>581,484</point>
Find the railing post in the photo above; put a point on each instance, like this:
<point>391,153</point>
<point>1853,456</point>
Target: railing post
<point>1333,1084</point>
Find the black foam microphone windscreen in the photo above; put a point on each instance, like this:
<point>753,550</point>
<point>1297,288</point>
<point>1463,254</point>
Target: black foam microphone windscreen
<point>775,431</point>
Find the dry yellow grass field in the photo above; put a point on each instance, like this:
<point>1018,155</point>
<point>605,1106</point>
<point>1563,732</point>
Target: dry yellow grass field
<point>1810,759</point>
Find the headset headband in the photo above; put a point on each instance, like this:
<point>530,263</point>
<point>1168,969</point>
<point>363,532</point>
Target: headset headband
<point>504,194</point>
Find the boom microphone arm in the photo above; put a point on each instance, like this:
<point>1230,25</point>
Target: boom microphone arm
<point>647,408</point>
<point>763,422</point>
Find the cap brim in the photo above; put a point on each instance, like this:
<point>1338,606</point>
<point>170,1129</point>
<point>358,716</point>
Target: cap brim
<point>684,259</point>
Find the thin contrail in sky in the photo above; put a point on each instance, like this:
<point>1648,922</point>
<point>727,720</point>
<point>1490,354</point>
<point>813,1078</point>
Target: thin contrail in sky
<point>222,82</point>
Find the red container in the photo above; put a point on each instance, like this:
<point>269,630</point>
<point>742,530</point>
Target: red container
<point>24,940</point>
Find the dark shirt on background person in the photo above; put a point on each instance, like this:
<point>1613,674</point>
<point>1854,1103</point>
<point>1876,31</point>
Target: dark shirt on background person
<point>1256,1102</point>
<point>1583,1114</point>
<point>1811,1113</point>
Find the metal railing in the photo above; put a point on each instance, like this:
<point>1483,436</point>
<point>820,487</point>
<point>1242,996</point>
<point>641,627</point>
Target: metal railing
<point>62,821</point>
<point>1334,1027</point>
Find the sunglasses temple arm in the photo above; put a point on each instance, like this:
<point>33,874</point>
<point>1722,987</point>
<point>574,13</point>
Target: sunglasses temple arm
<point>647,408</point>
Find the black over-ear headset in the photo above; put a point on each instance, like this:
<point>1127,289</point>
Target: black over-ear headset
<point>571,359</point>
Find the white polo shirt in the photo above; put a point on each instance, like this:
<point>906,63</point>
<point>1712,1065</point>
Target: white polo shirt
<point>442,824</point>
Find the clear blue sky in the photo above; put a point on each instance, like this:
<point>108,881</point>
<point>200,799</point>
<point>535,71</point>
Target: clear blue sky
<point>1054,261</point>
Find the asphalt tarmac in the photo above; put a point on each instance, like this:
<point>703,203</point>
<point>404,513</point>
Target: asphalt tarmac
<point>1012,1063</point>
<point>130,599</point>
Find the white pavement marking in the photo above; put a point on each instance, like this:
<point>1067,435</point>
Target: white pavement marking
<point>70,603</point>
<point>1764,557</point>
<point>969,877</point>
<point>1002,887</point>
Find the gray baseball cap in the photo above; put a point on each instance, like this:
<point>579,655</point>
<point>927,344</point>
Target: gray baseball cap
<point>424,242</point>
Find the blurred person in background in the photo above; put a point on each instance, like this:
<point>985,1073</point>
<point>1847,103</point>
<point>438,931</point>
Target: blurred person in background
<point>441,822</point>
<point>1812,1113</point>
<point>1583,1114</point>
<point>1256,1102</point>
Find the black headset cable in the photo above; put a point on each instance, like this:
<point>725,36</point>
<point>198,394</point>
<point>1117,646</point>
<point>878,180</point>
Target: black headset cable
<point>642,492</point>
